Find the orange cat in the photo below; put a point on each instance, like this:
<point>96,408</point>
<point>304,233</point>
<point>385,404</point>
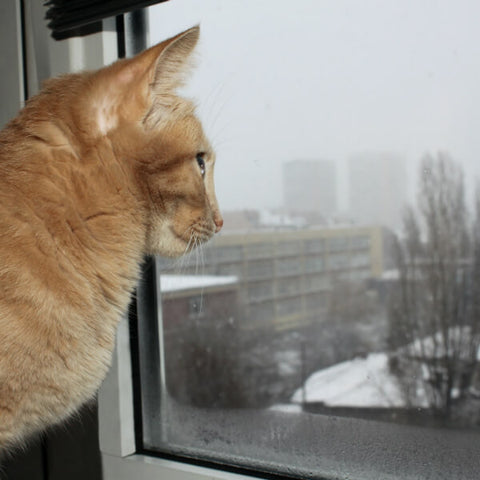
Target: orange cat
<point>96,171</point>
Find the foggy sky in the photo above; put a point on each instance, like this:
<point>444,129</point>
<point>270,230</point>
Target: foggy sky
<point>280,80</point>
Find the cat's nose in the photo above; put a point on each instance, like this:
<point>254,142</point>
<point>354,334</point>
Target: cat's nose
<point>218,223</point>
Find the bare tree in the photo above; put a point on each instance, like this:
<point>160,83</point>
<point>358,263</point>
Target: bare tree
<point>434,311</point>
<point>354,323</point>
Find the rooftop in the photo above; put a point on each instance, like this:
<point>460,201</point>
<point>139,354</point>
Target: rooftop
<point>176,283</point>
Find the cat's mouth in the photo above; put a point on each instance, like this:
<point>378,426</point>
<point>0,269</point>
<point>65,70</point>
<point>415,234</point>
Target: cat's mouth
<point>195,235</point>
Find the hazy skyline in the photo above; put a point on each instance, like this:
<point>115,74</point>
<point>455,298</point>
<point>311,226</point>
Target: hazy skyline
<point>278,81</point>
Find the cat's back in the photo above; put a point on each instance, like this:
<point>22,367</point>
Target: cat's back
<point>66,225</point>
<point>66,204</point>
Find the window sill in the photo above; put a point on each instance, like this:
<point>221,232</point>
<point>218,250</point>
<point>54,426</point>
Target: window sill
<point>142,467</point>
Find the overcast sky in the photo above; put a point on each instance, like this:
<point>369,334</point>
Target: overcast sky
<point>280,80</point>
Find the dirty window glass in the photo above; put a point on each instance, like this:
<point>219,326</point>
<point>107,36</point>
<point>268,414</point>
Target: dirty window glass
<point>332,329</point>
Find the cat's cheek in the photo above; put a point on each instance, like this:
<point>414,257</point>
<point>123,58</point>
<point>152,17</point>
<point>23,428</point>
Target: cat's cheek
<point>162,240</point>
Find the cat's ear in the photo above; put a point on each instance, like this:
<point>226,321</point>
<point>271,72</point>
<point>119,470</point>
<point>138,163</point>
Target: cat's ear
<point>164,65</point>
<point>173,61</point>
<point>146,83</point>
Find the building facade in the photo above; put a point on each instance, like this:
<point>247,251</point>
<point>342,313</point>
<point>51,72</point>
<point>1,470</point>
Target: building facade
<point>285,278</point>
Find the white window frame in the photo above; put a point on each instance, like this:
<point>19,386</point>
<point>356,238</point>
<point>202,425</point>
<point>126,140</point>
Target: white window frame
<point>11,60</point>
<point>117,429</point>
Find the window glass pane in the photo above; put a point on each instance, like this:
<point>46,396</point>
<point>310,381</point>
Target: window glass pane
<point>332,328</point>
<point>289,266</point>
<point>260,250</point>
<point>288,248</point>
<point>315,264</point>
<point>260,291</point>
<point>260,269</point>
<point>228,254</point>
<point>314,245</point>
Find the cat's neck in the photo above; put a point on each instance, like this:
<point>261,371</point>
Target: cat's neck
<point>82,205</point>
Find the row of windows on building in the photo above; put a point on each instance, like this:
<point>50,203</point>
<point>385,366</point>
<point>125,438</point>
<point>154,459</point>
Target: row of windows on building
<point>272,249</point>
<point>283,278</point>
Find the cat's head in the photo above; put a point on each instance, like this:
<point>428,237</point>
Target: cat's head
<point>154,130</point>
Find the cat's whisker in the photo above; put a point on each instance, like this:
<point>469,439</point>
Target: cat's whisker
<point>191,251</point>
<point>224,142</point>
<point>203,234</point>
<point>221,141</point>
<point>212,111</point>
<point>189,244</point>
<point>220,110</point>
<point>202,253</point>
<point>178,265</point>
<point>183,260</point>
<point>197,254</point>
<point>189,228</point>
<point>225,126</point>
<point>208,104</point>
<point>202,257</point>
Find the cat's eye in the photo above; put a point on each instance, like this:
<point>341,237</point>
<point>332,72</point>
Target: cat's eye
<point>201,163</point>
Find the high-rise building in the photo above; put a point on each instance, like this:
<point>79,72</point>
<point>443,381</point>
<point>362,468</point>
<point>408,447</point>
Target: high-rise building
<point>377,188</point>
<point>310,187</point>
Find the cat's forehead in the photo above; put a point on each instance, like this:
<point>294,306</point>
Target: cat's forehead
<point>183,124</point>
<point>167,109</point>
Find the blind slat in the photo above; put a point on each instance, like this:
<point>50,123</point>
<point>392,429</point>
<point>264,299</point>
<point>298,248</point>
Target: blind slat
<point>67,15</point>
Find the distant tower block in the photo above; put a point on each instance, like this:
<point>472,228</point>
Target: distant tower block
<point>310,187</point>
<point>377,188</point>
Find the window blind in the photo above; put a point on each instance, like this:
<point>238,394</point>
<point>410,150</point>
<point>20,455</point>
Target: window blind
<point>69,15</point>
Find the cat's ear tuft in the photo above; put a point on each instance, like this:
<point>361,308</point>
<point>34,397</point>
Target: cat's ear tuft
<point>174,61</point>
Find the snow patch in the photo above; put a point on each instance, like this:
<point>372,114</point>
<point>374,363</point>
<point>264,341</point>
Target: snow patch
<point>175,283</point>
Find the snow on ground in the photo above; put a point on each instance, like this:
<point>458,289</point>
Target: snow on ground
<point>368,382</point>
<point>175,283</point>
<point>286,408</point>
<point>362,382</point>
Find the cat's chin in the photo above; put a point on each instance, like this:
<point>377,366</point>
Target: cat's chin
<point>166,245</point>
<point>165,242</point>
